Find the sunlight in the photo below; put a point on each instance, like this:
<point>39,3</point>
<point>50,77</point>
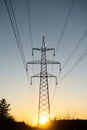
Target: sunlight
<point>43,120</point>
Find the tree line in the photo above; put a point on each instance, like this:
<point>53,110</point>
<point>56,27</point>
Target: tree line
<point>7,122</point>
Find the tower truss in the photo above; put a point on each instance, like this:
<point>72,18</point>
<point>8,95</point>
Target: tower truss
<point>44,100</point>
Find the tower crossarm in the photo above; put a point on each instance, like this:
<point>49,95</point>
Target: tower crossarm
<point>34,62</point>
<point>46,49</point>
<point>41,62</point>
<point>54,62</point>
<point>37,49</point>
<point>48,75</point>
<point>51,49</point>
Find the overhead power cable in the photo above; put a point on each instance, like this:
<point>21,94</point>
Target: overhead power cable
<point>0,6</point>
<point>75,64</point>
<point>56,87</point>
<point>75,49</point>
<point>33,91</point>
<point>29,21</point>
<point>11,14</point>
<point>29,27</point>
<point>65,24</point>
<point>62,34</point>
<point>69,71</point>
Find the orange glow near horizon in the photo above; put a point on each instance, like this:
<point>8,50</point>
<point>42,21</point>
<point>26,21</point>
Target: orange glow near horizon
<point>30,116</point>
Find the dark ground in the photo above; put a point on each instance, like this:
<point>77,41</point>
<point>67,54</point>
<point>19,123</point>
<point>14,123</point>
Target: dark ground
<point>11,124</point>
<point>69,125</point>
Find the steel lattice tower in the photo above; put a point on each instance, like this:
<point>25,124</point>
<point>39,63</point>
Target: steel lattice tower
<point>44,101</point>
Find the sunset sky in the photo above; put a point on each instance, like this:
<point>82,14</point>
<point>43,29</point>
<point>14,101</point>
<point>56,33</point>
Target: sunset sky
<point>64,25</point>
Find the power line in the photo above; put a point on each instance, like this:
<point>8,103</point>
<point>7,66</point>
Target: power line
<point>55,87</point>
<point>11,14</point>
<point>74,65</point>
<point>0,5</point>
<point>29,21</point>
<point>70,70</point>
<point>29,26</point>
<point>62,34</point>
<point>33,92</point>
<point>65,24</point>
<point>75,49</point>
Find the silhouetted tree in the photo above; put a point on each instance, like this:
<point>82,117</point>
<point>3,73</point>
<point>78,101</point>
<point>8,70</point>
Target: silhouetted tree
<point>4,108</point>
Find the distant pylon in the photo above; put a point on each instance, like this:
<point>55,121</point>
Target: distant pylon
<point>44,101</point>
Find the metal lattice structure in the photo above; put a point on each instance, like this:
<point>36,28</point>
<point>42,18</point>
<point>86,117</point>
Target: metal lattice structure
<point>44,101</point>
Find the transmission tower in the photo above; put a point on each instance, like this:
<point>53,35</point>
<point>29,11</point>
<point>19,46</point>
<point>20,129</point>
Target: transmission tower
<point>44,101</point>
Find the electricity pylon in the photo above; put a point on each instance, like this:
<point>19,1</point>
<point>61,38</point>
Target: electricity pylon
<point>44,101</point>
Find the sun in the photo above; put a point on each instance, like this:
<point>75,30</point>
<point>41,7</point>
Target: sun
<point>43,120</point>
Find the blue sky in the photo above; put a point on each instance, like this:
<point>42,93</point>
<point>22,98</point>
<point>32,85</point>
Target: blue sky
<point>47,17</point>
